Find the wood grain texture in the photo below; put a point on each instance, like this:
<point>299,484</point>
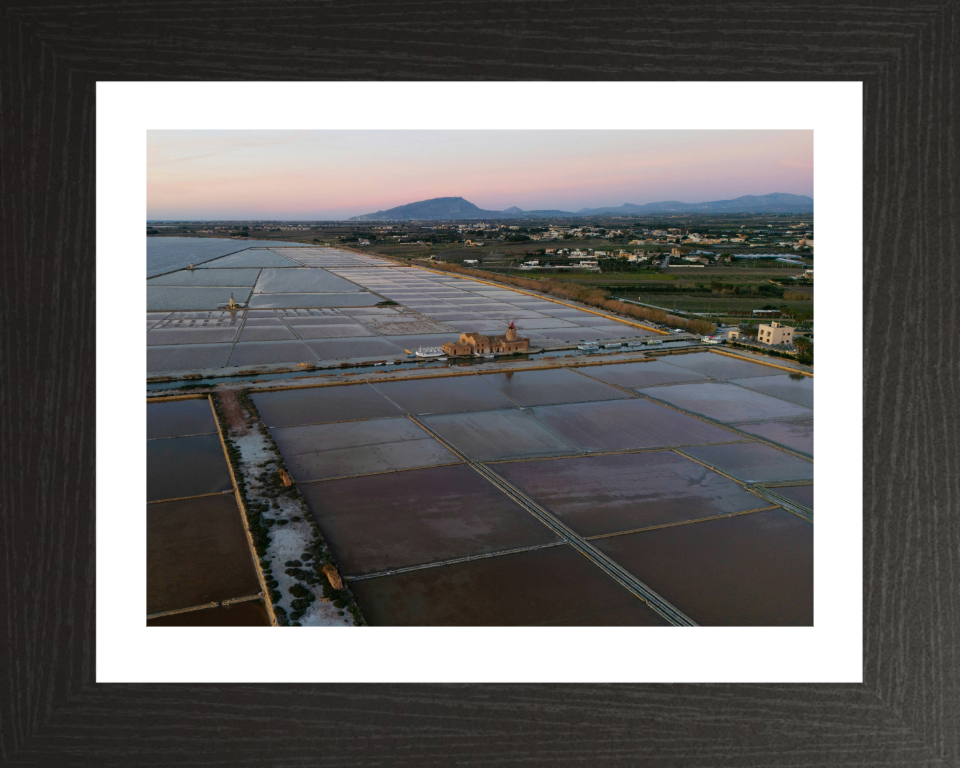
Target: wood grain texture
<point>907,711</point>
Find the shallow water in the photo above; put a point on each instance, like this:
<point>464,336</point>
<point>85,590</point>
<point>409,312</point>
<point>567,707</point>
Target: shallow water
<point>165,254</point>
<point>794,387</point>
<point>423,516</point>
<point>332,331</point>
<point>186,466</point>
<point>342,349</point>
<point>748,570</point>
<point>190,298</point>
<point>249,613</point>
<point>628,424</point>
<point>639,375</point>
<point>720,366</point>
<point>796,434</point>
<point>270,352</point>
<point>180,417</point>
<point>323,404</point>
<point>307,300</point>
<point>251,259</point>
<point>552,386</point>
<point>753,462</point>
<point>501,434</point>
<point>302,280</point>
<point>596,495</point>
<point>197,552</point>
<point>801,494</point>
<point>175,335</point>
<point>727,403</point>
<point>208,277</point>
<point>555,586</point>
<point>186,357</point>
<point>358,447</point>
<point>444,395</point>
<point>278,332</point>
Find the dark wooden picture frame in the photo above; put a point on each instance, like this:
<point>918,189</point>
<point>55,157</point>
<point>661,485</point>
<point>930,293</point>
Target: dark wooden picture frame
<point>907,711</point>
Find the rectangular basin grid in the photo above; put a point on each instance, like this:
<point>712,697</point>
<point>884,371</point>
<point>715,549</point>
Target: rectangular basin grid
<point>707,420</point>
<point>655,601</point>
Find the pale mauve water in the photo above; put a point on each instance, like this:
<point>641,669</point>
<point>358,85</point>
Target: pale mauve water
<point>165,254</point>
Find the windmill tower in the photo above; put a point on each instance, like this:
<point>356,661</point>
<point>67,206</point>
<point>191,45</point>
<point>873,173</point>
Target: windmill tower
<point>512,340</point>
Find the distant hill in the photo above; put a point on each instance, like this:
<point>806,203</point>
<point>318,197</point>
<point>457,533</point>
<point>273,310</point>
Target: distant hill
<point>456,208</point>
<point>436,209</point>
<point>777,202</point>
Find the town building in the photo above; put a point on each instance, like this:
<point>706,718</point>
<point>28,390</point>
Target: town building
<point>473,343</point>
<point>775,334</point>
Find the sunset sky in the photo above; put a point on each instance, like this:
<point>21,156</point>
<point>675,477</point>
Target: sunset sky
<point>337,174</point>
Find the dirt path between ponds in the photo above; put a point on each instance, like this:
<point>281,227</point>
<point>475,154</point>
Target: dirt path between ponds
<point>233,412</point>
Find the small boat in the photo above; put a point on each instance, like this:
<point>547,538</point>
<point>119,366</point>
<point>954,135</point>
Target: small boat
<point>654,342</point>
<point>589,346</point>
<point>427,352</point>
<point>616,345</point>
<point>634,344</point>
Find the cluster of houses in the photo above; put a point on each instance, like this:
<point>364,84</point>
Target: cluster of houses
<point>471,344</point>
<point>770,335</point>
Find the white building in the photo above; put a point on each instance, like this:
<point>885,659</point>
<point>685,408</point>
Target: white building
<point>775,334</point>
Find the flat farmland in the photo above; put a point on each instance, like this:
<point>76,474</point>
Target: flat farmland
<point>713,303</point>
<point>656,276</point>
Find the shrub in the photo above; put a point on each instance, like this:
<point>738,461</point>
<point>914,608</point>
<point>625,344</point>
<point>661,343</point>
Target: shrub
<point>301,604</point>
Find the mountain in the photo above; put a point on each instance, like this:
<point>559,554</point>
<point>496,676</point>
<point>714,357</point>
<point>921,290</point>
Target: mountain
<point>452,209</point>
<point>456,208</point>
<point>777,202</point>
<point>438,208</point>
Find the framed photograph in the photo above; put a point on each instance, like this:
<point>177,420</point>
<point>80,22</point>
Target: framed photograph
<point>468,399</point>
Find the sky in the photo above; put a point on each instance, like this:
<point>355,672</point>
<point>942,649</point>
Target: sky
<point>306,175</point>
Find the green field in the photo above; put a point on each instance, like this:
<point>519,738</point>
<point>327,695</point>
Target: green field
<point>718,304</point>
